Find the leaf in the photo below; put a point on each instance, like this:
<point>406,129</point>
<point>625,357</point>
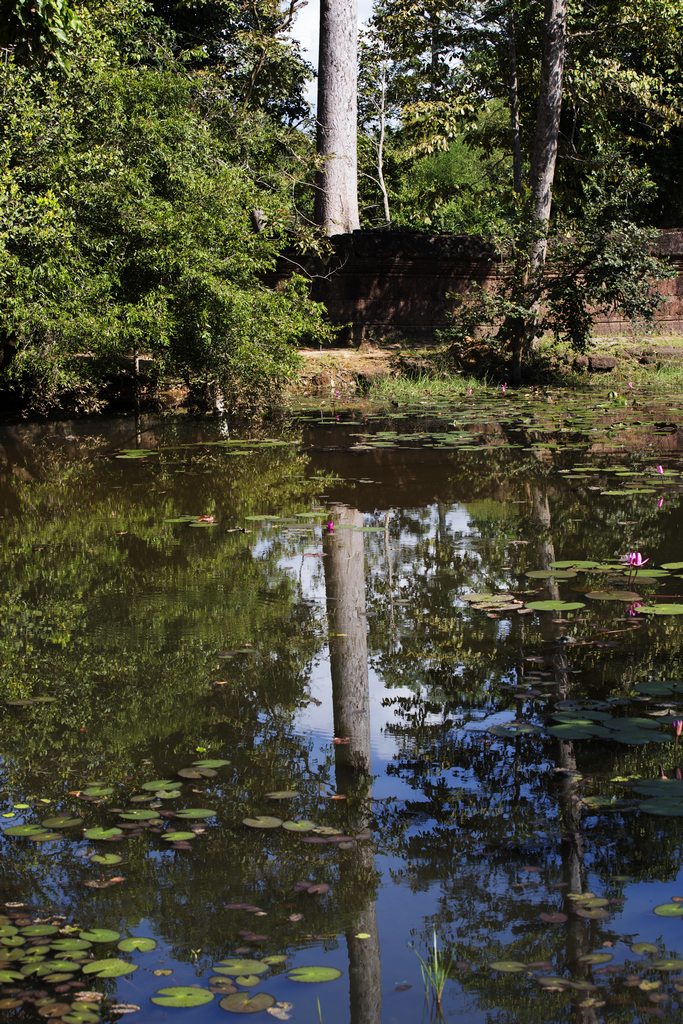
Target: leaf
<point>555,606</point>
<point>241,1002</point>
<point>195,812</point>
<point>298,826</point>
<point>103,833</point>
<point>100,935</point>
<point>182,996</point>
<point>211,762</point>
<point>178,837</point>
<point>508,966</point>
<point>669,910</point>
<point>282,794</point>
<point>106,859</point>
<point>235,967</point>
<point>137,943</point>
<point>62,821</point>
<point>262,821</point>
<point>109,968</point>
<point>313,975</point>
<point>661,609</point>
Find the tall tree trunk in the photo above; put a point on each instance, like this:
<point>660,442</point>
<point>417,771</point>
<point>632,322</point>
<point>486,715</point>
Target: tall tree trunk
<point>513,98</point>
<point>523,330</point>
<point>336,200</point>
<point>380,145</point>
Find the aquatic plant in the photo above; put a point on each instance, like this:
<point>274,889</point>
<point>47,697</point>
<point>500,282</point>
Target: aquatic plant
<point>435,969</point>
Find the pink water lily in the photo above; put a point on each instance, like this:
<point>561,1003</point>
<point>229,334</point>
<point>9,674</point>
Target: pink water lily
<point>677,726</point>
<point>660,502</point>
<point>660,470</point>
<point>635,560</point>
<point>503,388</point>
<point>329,526</point>
<point>634,608</point>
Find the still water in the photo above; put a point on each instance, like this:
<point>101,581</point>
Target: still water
<point>326,694</point>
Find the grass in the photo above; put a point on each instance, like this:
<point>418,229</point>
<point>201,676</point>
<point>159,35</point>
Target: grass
<point>435,968</point>
<point>427,386</point>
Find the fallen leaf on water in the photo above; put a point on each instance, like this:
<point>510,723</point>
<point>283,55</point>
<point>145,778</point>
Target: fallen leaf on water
<point>339,740</point>
<point>162,972</point>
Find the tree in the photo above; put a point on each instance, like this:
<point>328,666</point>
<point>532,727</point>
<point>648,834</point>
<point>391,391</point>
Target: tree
<point>336,199</point>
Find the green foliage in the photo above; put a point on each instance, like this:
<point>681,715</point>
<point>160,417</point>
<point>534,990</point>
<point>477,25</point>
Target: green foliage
<point>39,29</point>
<point>127,188</point>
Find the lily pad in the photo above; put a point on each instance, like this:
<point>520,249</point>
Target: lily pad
<point>508,966</point>
<point>661,609</point>
<point>103,833</point>
<point>234,967</point>
<point>242,1002</point>
<point>106,859</point>
<point>39,929</point>
<point>211,762</point>
<point>24,830</point>
<point>669,910</point>
<point>62,821</point>
<point>555,606</point>
<point>673,964</point>
<point>100,935</point>
<point>262,821</point>
<point>109,968</point>
<point>195,813</point>
<point>178,837</point>
<point>182,996</point>
<point>627,596</point>
<point>97,791</point>
<point>157,784</point>
<point>313,975</point>
<point>137,943</point>
<point>298,826</point>
<point>68,945</point>
<point>139,815</point>
<point>282,794</point>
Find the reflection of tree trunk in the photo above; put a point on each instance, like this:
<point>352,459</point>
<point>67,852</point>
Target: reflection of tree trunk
<point>345,587</point>
<point>572,848</point>
<point>365,974</point>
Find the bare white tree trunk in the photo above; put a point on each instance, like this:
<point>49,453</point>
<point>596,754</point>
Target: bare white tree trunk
<point>380,145</point>
<point>336,205</point>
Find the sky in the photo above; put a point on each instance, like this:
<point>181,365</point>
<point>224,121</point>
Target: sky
<point>306,31</point>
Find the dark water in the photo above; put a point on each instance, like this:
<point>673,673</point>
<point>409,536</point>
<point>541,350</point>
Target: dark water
<point>490,754</point>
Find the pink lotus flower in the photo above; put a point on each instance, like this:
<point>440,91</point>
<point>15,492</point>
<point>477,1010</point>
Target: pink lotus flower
<point>329,526</point>
<point>635,560</point>
<point>660,502</point>
<point>631,385</point>
<point>660,470</point>
<point>634,608</point>
<point>503,388</point>
<point>677,726</point>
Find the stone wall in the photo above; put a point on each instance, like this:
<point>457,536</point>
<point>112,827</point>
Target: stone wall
<point>396,284</point>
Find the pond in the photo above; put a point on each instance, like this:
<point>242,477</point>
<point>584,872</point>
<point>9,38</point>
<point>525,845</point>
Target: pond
<point>284,712</point>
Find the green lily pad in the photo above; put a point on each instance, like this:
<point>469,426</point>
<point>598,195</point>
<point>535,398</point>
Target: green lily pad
<point>109,968</point>
<point>627,596</point>
<point>247,980</point>
<point>157,784</point>
<point>106,859</point>
<point>97,791</point>
<point>508,966</point>
<point>24,830</point>
<point>596,958</point>
<point>62,821</point>
<point>672,565</point>
<point>234,967</point>
<point>282,794</point>
<point>578,563</point>
<point>644,947</point>
<point>673,964</point>
<point>7,977</point>
<point>313,975</point>
<point>211,762</point>
<point>298,826</point>
<point>550,574</point>
<point>139,815</point>
<point>242,1002</point>
<point>198,813</point>
<point>555,606</point>
<point>178,837</point>
<point>100,935</point>
<point>661,609</point>
<point>137,943</point>
<point>39,929</point>
<point>276,960</point>
<point>182,996</point>
<point>669,910</point>
<point>262,821</point>
<point>102,833</point>
<point>68,945</point>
